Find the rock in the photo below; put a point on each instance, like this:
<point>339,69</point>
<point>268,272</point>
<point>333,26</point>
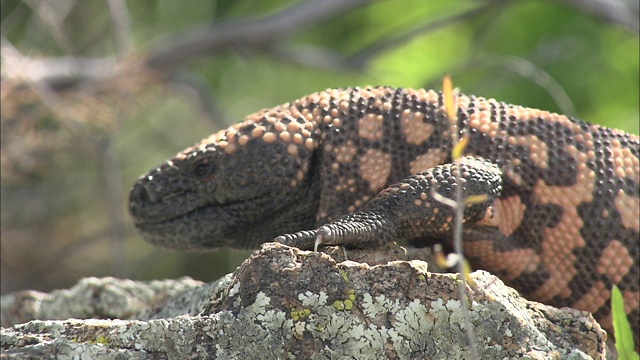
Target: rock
<point>287,303</point>
<point>105,298</point>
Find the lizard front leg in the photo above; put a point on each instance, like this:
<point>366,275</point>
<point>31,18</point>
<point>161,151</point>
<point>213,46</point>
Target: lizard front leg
<point>409,210</point>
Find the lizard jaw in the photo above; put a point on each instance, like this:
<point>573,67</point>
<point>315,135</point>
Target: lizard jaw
<point>213,223</point>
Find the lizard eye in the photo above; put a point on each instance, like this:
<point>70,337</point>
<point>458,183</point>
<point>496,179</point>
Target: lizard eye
<point>202,169</point>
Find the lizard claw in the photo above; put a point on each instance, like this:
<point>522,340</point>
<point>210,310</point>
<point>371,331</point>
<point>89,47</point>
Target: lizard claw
<point>322,232</point>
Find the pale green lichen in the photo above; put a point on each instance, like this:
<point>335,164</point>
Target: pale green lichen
<point>348,304</point>
<point>298,330</point>
<point>311,299</point>
<point>413,321</point>
<point>234,290</point>
<point>413,324</point>
<point>456,314</point>
<point>344,276</point>
<point>299,314</point>
<point>265,327</point>
<point>380,305</point>
<point>419,328</point>
<point>101,339</point>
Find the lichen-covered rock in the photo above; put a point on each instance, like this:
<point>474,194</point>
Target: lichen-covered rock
<point>287,303</point>
<point>104,298</point>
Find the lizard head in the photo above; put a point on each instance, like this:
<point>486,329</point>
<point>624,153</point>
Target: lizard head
<point>239,188</point>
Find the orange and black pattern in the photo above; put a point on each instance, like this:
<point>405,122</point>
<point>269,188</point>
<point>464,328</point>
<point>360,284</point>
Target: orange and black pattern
<point>562,224</point>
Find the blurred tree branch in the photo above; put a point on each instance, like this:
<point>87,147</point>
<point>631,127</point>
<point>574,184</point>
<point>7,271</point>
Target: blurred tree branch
<point>169,55</point>
<point>620,12</point>
<point>247,32</point>
<point>121,25</point>
<point>63,72</point>
<point>363,56</point>
<point>136,71</point>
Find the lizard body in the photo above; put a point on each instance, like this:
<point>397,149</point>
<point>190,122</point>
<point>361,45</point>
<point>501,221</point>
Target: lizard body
<point>562,229</point>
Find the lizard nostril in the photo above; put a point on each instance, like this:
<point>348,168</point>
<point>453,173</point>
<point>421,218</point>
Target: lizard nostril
<point>137,194</point>
<point>141,194</point>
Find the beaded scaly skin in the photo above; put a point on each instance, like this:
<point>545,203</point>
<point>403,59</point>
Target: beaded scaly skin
<point>562,229</point>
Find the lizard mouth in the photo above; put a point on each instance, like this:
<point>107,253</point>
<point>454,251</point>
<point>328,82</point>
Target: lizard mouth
<point>203,226</point>
<point>177,214</point>
<point>149,207</point>
<point>200,229</point>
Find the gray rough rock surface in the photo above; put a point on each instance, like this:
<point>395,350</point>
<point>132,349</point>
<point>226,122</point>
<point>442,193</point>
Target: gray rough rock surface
<point>287,303</point>
<point>102,298</point>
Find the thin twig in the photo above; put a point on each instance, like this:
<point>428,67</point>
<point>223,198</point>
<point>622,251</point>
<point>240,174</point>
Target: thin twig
<point>527,70</point>
<point>618,12</point>
<point>207,38</point>
<point>450,99</point>
<point>318,57</point>
<point>121,26</point>
<point>196,89</point>
<point>363,56</point>
<point>53,13</point>
<point>15,68</point>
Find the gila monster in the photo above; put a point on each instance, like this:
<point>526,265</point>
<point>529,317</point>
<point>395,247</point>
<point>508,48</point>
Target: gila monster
<point>562,229</point>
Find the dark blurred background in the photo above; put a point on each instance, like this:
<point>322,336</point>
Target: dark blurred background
<point>96,92</point>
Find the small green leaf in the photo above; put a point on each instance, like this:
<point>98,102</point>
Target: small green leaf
<point>621,327</point>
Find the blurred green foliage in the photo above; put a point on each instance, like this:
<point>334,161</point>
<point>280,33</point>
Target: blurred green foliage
<point>55,227</point>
